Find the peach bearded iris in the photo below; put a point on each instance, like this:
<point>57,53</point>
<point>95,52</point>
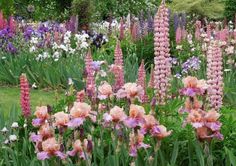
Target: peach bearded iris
<point>61,119</point>
<point>83,149</point>
<point>50,148</point>
<point>136,116</point>
<point>206,124</point>
<point>136,142</point>
<point>41,114</point>
<point>79,112</point>
<point>193,86</point>
<point>116,115</point>
<point>130,91</point>
<point>104,91</point>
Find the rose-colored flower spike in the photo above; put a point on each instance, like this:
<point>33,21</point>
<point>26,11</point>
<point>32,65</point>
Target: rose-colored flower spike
<point>215,75</point>
<point>151,81</point>
<point>119,74</point>
<point>142,81</point>
<point>90,80</point>
<point>25,96</point>
<point>162,70</point>
<point>178,35</point>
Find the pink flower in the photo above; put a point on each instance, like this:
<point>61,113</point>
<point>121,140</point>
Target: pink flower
<point>50,148</point>
<point>61,119</point>
<point>41,114</point>
<point>83,149</point>
<point>215,76</point>
<point>77,149</point>
<point>79,112</point>
<point>118,72</point>
<point>25,96</point>
<point>136,116</point>
<point>130,91</point>
<point>45,131</point>
<point>162,132</point>
<point>117,114</point>
<point>150,124</point>
<point>142,81</point>
<point>104,91</point>
<point>162,70</point>
<point>80,96</point>
<point>136,142</point>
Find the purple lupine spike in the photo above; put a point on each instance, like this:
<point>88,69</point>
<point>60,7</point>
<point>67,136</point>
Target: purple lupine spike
<point>141,24</point>
<point>176,21</point>
<point>150,23</point>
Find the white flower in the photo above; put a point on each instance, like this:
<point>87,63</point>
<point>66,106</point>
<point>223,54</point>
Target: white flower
<point>32,49</point>
<point>34,85</point>
<point>70,81</point>
<point>4,130</point>
<point>12,138</point>
<point>102,73</point>
<point>179,47</point>
<point>25,125</point>
<point>3,57</point>
<point>6,142</point>
<point>14,125</point>
<point>34,40</point>
<point>227,70</point>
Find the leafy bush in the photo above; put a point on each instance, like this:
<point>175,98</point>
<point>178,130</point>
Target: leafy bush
<point>230,9</point>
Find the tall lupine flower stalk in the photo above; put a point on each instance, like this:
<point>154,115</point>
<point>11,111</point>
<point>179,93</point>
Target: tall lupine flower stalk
<point>134,32</point>
<point>209,31</point>
<point>215,75</point>
<point>197,29</point>
<point>1,21</point>
<point>141,23</point>
<point>12,24</point>
<point>162,71</point>
<point>25,96</point>
<point>119,74</point>
<point>122,35</point>
<point>90,80</point>
<point>150,23</point>
<point>178,35</point>
<point>142,81</point>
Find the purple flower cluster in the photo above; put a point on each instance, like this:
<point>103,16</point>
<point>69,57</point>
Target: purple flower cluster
<point>192,64</point>
<point>5,41</point>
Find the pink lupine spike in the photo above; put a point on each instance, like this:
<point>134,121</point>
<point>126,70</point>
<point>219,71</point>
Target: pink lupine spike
<point>1,20</point>
<point>119,74</point>
<point>12,24</point>
<point>162,70</point>
<point>134,32</point>
<point>142,81</point>
<point>122,29</point>
<point>25,96</point>
<point>197,29</point>
<point>178,35</point>
<point>215,75</point>
<point>90,81</point>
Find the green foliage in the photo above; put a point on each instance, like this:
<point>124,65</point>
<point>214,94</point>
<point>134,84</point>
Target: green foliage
<point>84,10</point>
<point>212,9</point>
<point>230,9</point>
<point>7,7</point>
<point>119,8</point>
